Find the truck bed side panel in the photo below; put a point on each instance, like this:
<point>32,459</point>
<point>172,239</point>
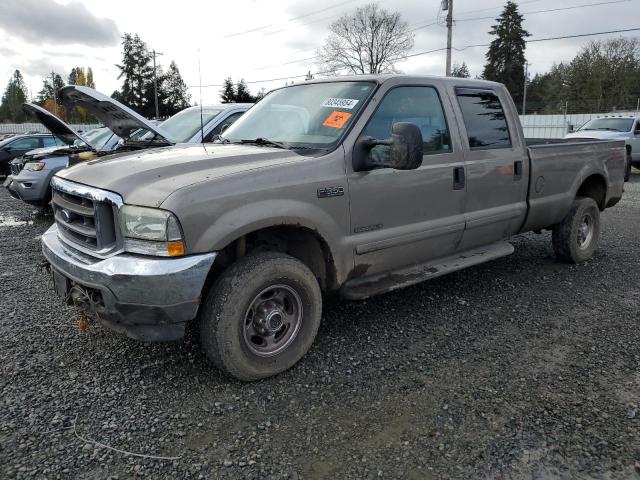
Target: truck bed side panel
<point>558,170</point>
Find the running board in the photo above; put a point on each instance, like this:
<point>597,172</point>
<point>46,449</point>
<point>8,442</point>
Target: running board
<point>364,287</point>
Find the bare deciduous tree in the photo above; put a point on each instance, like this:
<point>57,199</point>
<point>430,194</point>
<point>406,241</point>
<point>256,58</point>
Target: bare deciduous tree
<point>370,40</point>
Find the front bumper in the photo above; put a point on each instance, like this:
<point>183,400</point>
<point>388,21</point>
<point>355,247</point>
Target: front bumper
<point>30,187</point>
<point>147,298</point>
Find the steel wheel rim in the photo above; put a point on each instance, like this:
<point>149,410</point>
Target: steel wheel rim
<point>272,320</point>
<point>585,231</point>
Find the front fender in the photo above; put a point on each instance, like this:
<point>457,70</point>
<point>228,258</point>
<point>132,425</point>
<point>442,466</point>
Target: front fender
<point>258,215</point>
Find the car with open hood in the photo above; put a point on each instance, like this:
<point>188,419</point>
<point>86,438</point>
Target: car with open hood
<point>124,130</point>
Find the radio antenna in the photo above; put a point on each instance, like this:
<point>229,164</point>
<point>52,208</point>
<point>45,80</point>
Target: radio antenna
<point>200,86</point>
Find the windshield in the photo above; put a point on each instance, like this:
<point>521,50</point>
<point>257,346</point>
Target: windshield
<point>308,115</point>
<point>99,137</point>
<point>184,125</point>
<point>613,124</point>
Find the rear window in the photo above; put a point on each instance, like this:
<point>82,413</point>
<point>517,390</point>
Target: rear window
<point>484,119</point>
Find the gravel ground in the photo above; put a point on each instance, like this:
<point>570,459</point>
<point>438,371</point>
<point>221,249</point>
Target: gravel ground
<point>523,368</point>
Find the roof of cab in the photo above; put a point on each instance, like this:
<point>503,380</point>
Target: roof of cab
<point>382,78</point>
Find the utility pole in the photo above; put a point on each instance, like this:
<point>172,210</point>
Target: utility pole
<point>449,8</point>
<point>155,82</point>
<point>524,95</point>
<point>55,94</point>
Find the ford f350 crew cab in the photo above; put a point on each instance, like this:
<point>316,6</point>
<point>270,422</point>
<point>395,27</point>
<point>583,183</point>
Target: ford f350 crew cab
<point>355,185</point>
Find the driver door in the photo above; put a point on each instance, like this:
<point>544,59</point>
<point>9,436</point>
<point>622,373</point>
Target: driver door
<point>404,217</point>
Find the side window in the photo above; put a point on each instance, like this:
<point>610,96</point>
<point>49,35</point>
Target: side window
<point>484,119</point>
<point>28,143</point>
<point>418,105</point>
<point>49,141</point>
<point>226,123</point>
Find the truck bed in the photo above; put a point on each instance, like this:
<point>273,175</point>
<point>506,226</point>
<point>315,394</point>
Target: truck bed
<point>558,167</point>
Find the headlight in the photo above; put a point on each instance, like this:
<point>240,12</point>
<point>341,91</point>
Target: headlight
<point>151,231</point>
<point>34,166</point>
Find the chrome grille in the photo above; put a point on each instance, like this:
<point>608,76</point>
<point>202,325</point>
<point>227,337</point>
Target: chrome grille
<point>86,217</point>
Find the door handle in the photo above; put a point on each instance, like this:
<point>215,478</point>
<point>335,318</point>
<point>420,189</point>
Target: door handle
<point>517,170</point>
<point>458,178</point>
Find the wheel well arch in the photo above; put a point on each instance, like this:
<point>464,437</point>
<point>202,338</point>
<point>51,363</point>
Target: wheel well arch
<point>594,186</point>
<point>302,243</point>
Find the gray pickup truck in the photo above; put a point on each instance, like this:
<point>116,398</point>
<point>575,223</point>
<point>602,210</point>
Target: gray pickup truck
<point>355,185</point>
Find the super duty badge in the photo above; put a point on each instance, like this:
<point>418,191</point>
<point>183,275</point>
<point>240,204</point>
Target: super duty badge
<point>330,192</point>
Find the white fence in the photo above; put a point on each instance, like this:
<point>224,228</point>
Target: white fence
<point>38,127</point>
<point>557,126</point>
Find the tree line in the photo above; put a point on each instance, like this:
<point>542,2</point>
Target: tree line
<point>604,76</point>
<point>137,91</point>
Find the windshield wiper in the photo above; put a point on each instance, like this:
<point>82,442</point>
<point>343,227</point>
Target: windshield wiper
<point>266,141</point>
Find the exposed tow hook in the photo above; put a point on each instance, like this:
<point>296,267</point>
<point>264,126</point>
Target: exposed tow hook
<point>83,323</point>
<point>83,301</point>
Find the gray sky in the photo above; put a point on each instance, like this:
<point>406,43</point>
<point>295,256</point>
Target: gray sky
<point>37,36</point>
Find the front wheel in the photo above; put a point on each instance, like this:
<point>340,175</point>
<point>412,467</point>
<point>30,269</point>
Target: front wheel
<point>261,316</point>
<point>575,239</point>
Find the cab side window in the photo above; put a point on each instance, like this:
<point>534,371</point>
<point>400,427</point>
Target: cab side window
<point>418,105</point>
<point>484,119</point>
<point>226,123</point>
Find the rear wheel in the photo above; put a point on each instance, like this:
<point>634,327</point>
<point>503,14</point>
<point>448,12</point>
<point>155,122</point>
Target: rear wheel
<point>575,239</point>
<point>261,316</point>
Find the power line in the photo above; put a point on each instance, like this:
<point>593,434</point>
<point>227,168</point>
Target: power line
<point>264,27</point>
<point>573,7</point>
<point>534,40</point>
<point>456,20</point>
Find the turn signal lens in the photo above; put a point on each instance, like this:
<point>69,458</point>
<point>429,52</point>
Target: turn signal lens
<point>175,249</point>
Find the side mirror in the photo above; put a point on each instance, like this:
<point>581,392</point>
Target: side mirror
<point>405,149</point>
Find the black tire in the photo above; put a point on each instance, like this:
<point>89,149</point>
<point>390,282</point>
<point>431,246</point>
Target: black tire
<point>570,242</point>
<point>226,310</point>
<point>627,170</point>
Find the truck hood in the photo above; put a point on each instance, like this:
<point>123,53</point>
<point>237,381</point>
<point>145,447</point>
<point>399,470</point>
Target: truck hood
<point>56,126</point>
<point>148,177</point>
<point>597,134</point>
<point>120,119</point>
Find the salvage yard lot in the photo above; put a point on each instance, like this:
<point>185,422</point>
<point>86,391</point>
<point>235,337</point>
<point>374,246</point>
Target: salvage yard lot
<point>519,368</point>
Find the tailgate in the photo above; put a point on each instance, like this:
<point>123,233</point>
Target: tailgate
<point>558,169</point>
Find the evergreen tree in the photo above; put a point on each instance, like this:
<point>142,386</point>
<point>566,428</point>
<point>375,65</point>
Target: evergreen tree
<point>505,57</point>
<point>137,73</point>
<point>243,95</point>
<point>460,71</point>
<point>14,96</point>
<point>50,87</point>
<point>228,93</point>
<point>174,90</point>
<point>90,82</point>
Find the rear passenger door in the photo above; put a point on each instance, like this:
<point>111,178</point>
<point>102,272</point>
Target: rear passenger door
<point>404,217</point>
<point>496,167</point>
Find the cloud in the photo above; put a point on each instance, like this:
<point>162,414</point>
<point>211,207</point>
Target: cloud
<point>46,21</point>
<point>41,67</point>
<point>7,52</point>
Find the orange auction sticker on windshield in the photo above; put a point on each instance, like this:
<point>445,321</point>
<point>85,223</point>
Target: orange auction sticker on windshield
<point>337,119</point>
